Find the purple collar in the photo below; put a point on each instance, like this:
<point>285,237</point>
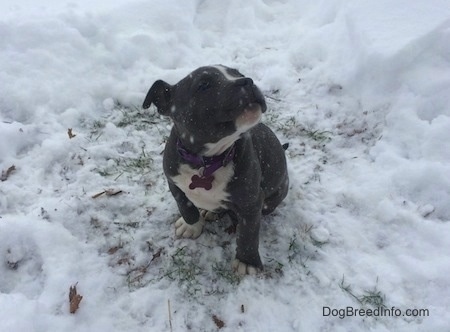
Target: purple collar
<point>210,164</point>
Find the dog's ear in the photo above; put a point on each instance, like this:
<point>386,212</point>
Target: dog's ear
<point>159,94</point>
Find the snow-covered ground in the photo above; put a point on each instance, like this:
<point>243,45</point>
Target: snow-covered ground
<point>361,91</point>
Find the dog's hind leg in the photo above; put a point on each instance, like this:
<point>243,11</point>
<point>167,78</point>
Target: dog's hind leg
<point>271,202</point>
<point>208,215</point>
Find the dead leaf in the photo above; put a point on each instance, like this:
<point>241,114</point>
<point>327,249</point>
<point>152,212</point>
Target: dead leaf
<point>74,299</point>
<point>7,173</point>
<point>219,323</point>
<point>70,133</point>
<point>113,250</point>
<point>157,254</point>
<point>124,260</point>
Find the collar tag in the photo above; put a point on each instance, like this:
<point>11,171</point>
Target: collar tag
<point>204,182</point>
<point>207,165</point>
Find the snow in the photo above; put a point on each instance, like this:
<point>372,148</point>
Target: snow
<point>360,90</point>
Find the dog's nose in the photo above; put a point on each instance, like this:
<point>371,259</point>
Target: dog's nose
<point>244,81</point>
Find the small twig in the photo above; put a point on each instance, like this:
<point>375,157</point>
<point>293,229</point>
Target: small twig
<point>112,192</point>
<point>273,98</point>
<point>99,194</point>
<point>5,174</point>
<point>170,315</point>
<point>108,192</point>
<point>118,176</point>
<point>348,290</point>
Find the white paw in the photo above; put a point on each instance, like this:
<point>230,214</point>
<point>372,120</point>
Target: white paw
<point>244,269</point>
<point>183,229</point>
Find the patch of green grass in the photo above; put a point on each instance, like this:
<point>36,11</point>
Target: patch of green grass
<point>135,116</point>
<point>293,249</point>
<point>184,270</point>
<point>291,127</point>
<point>273,265</point>
<point>227,274</point>
<point>104,172</point>
<point>373,297</point>
<point>317,135</point>
<point>95,131</point>
<point>131,116</point>
<point>190,276</point>
<point>140,164</point>
<point>295,253</point>
<point>271,118</point>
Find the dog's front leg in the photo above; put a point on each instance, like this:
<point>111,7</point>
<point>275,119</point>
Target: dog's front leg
<point>191,222</point>
<point>247,259</point>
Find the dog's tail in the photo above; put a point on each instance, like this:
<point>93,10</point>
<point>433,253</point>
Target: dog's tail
<point>285,146</point>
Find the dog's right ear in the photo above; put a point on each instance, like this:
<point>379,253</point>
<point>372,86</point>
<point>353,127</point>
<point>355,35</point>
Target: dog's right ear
<point>159,94</point>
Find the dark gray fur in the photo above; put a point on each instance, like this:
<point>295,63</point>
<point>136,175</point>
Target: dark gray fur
<point>205,105</point>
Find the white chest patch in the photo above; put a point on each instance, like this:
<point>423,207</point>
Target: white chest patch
<point>209,200</point>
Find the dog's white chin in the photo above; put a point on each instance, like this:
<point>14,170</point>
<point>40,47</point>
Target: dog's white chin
<point>248,119</point>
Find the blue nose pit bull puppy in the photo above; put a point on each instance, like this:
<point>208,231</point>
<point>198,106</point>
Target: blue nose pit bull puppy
<point>219,157</point>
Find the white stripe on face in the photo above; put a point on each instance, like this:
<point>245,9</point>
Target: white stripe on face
<point>224,72</point>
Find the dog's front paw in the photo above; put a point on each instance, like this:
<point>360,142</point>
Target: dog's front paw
<point>183,229</point>
<point>243,268</point>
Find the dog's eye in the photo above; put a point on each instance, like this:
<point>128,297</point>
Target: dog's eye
<point>203,86</point>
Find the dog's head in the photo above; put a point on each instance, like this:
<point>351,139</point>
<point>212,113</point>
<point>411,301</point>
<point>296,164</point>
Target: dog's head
<point>210,108</point>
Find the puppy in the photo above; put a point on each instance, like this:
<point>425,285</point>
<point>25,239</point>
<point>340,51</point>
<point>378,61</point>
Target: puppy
<point>219,157</point>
